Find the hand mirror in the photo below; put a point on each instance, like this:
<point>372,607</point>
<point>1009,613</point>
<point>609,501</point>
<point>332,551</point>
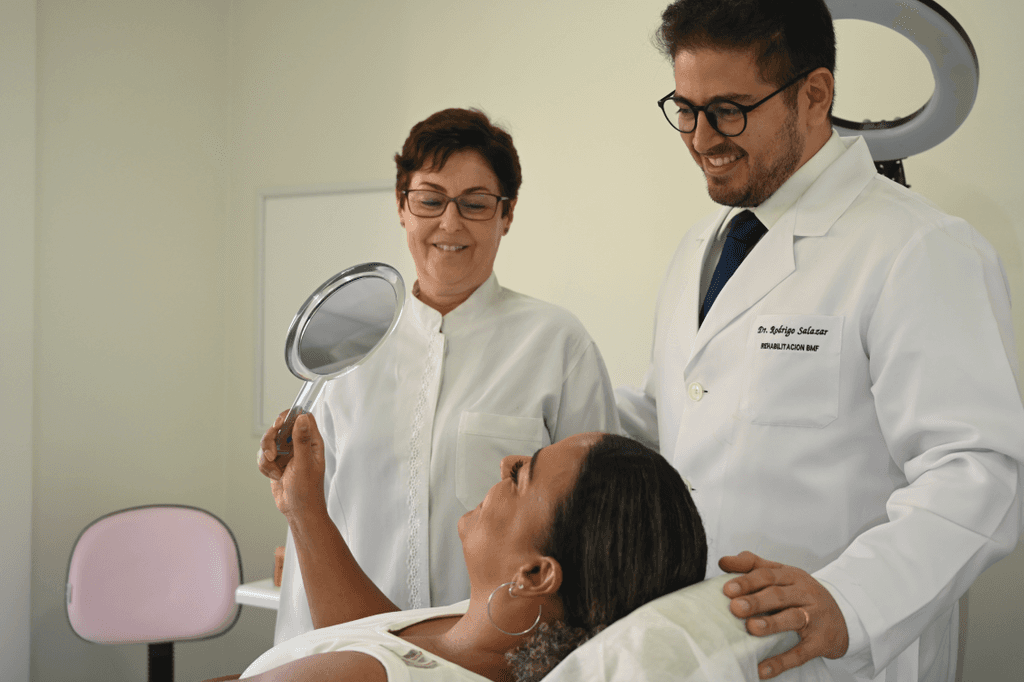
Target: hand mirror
<point>338,327</point>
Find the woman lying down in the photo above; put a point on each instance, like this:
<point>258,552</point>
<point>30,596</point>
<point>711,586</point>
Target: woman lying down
<point>568,541</point>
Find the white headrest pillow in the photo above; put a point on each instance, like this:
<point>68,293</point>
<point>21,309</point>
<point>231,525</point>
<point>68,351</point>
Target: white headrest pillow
<point>686,636</point>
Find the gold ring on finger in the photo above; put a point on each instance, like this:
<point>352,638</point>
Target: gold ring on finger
<point>807,617</point>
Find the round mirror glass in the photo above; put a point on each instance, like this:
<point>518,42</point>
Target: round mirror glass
<point>338,327</point>
<point>345,327</point>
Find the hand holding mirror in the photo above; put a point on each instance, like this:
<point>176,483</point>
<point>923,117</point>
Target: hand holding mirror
<point>338,327</point>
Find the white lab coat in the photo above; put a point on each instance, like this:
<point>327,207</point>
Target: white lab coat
<point>849,406</point>
<point>413,438</point>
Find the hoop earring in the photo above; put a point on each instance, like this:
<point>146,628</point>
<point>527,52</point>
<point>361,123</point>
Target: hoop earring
<point>491,618</point>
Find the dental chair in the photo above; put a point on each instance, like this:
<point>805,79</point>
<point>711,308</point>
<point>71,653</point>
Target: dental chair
<point>154,575</point>
<point>685,636</point>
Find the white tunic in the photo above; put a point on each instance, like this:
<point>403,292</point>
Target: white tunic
<point>849,405</point>
<point>373,636</point>
<point>413,438</point>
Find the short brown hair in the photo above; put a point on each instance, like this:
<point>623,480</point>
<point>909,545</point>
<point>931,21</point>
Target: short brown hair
<point>434,139</point>
<point>789,37</point>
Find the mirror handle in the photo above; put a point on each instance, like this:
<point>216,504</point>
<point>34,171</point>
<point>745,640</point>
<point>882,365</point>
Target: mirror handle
<point>304,402</point>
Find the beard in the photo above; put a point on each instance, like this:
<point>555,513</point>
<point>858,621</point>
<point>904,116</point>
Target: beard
<point>766,174</point>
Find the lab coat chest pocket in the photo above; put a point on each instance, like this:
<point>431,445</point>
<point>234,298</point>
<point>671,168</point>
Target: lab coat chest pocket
<point>794,365</point>
<point>484,439</point>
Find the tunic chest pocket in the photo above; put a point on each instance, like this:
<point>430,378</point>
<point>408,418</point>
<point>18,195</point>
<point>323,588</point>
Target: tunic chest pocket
<point>484,440</point>
<point>794,363</point>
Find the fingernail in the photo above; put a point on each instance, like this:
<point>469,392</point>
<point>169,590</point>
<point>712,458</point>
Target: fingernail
<point>760,624</point>
<point>743,605</point>
<point>767,671</point>
<point>732,589</point>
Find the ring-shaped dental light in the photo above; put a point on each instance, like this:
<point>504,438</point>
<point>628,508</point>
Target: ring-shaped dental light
<point>954,65</point>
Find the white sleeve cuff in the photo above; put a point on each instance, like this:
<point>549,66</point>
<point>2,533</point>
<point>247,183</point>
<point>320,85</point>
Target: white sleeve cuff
<point>858,653</point>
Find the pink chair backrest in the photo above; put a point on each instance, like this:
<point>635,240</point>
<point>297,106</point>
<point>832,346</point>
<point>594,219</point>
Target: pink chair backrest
<point>153,574</point>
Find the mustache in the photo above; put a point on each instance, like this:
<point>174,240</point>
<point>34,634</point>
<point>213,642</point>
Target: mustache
<point>724,149</point>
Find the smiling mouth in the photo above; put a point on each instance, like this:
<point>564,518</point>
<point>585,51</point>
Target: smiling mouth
<point>451,247</point>
<point>719,161</point>
<point>717,164</point>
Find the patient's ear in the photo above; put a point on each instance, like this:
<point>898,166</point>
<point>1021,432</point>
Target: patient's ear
<point>540,578</point>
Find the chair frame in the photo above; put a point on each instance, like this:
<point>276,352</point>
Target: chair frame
<point>160,654</point>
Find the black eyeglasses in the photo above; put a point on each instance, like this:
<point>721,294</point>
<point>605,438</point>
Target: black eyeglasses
<point>426,203</point>
<point>725,116</point>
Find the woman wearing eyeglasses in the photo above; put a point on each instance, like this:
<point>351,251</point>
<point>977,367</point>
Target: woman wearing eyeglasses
<point>474,372</point>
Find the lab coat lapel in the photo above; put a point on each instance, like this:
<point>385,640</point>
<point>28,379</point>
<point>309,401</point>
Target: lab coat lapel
<point>685,315</point>
<point>773,259</point>
<point>769,263</point>
<point>833,192</point>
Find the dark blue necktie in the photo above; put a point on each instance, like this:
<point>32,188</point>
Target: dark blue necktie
<point>745,230</point>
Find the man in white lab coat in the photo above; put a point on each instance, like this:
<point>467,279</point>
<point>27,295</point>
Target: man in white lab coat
<point>844,402</point>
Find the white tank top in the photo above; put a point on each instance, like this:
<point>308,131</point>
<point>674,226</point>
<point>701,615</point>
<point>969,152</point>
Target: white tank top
<point>373,636</point>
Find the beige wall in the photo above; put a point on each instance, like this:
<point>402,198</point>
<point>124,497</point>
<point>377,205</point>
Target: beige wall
<point>159,123</point>
<point>130,335</point>
<point>17,304</point>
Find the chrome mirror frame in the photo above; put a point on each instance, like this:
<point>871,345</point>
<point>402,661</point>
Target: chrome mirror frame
<point>317,377</point>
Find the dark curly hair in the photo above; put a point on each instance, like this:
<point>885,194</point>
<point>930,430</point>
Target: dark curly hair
<point>434,139</point>
<point>789,37</point>
<point>627,533</point>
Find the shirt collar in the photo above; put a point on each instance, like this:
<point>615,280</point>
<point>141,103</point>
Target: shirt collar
<point>484,297</point>
<point>773,208</point>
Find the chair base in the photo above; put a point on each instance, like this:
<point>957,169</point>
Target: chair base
<point>161,662</point>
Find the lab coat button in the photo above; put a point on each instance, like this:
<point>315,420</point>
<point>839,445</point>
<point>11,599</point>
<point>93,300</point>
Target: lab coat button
<point>696,391</point>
